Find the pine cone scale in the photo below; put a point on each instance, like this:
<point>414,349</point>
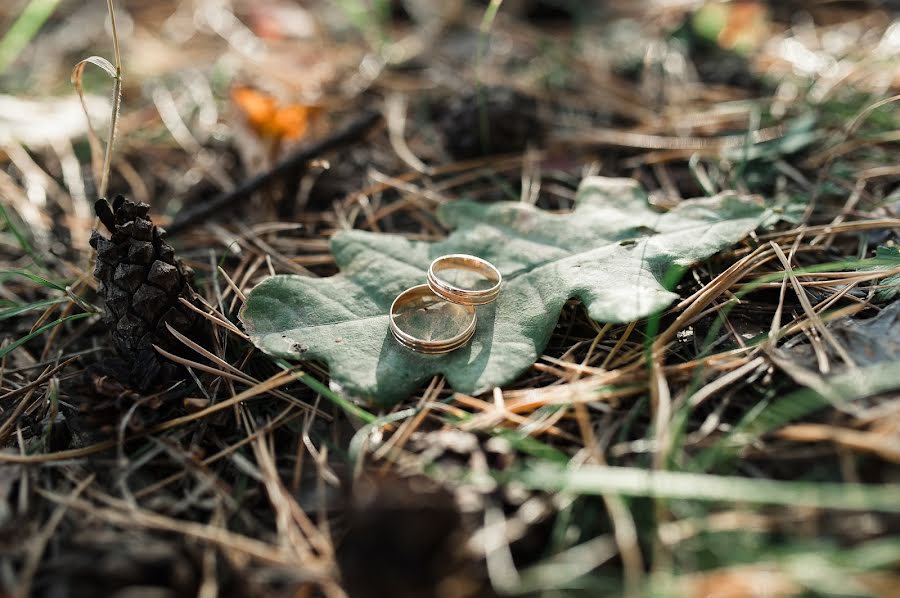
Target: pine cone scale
<point>162,275</point>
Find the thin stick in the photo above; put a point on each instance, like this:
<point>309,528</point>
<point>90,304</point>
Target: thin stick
<point>357,128</point>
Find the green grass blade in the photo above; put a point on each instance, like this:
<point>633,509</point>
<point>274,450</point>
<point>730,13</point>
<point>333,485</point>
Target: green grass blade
<point>326,392</point>
<point>839,571</point>
<point>18,343</point>
<point>484,33</point>
<point>852,385</point>
<point>531,446</point>
<point>5,274</point>
<point>598,480</point>
<point>20,238</point>
<point>356,443</point>
<point>15,310</point>
<point>369,18</point>
<point>24,29</point>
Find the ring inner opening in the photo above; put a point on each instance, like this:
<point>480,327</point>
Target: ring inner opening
<point>430,318</point>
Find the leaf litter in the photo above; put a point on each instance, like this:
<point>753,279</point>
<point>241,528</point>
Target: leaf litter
<point>721,442</point>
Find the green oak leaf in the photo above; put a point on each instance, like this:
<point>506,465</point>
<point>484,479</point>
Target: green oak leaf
<point>611,252</point>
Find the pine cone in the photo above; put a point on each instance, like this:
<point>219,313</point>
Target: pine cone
<point>141,282</point>
<point>509,120</point>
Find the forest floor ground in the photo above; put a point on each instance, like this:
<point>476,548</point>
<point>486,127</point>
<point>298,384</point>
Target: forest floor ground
<point>744,442</point>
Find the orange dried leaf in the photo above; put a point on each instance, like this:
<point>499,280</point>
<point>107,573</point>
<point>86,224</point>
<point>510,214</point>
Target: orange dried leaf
<point>270,120</point>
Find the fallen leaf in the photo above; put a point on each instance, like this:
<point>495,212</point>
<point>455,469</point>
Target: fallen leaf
<point>268,118</point>
<point>868,341</point>
<point>612,252</point>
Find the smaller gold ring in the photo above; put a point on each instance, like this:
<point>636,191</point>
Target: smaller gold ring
<point>455,294</point>
<point>427,298</point>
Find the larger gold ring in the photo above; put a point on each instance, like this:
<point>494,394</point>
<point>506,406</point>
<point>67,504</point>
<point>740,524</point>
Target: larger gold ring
<point>457,294</point>
<point>419,300</point>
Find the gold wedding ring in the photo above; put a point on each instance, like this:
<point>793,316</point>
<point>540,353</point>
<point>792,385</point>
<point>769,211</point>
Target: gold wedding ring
<point>424,322</point>
<point>468,293</point>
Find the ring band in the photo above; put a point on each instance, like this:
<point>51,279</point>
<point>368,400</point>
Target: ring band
<point>425,295</point>
<point>455,294</point>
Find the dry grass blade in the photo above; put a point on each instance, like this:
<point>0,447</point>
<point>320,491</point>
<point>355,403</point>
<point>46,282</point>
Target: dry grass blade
<point>694,305</point>
<point>624,529</point>
<point>730,378</point>
<point>25,402</point>
<point>239,377</point>
<point>237,290</point>
<point>844,227</point>
<point>658,142</point>
<point>128,516</point>
<point>282,419</point>
<point>214,317</point>
<point>101,169</point>
<point>279,379</point>
<point>401,436</point>
<point>207,354</point>
<point>295,527</point>
<point>884,446</point>
<point>829,155</point>
<point>228,371</point>
<point>808,308</point>
<point>395,108</point>
<point>493,415</point>
<point>40,542</point>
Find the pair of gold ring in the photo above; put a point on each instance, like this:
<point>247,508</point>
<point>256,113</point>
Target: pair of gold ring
<point>439,317</point>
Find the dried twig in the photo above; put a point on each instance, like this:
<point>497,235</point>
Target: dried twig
<point>358,127</point>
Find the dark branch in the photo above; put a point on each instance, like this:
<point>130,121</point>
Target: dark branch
<point>353,131</point>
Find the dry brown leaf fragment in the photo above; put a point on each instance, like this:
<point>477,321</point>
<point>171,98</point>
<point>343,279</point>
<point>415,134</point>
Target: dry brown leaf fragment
<point>270,119</point>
